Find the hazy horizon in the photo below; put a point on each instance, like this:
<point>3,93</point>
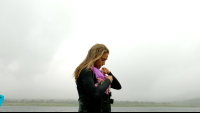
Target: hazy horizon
<point>68,100</point>
<point>154,47</point>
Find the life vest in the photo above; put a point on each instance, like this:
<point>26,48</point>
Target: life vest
<point>87,104</point>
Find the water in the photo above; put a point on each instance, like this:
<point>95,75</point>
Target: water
<point>114,109</point>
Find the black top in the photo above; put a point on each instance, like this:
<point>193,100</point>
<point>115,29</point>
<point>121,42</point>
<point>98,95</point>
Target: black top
<point>86,87</point>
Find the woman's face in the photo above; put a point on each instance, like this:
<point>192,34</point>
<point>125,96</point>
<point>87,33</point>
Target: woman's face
<point>100,62</point>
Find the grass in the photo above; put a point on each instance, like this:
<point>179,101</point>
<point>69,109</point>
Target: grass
<point>39,104</point>
<point>152,106</point>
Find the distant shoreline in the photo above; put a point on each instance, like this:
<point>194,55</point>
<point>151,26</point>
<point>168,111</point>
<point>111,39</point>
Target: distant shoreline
<point>74,105</point>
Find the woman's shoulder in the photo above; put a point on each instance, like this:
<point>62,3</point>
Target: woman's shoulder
<point>86,71</point>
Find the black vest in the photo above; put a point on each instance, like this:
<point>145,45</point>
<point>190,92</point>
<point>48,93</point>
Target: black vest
<point>87,104</point>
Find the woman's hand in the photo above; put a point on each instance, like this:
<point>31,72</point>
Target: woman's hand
<point>109,77</point>
<point>104,71</point>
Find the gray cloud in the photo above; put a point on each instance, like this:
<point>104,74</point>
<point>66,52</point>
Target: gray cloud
<point>154,50</point>
<point>31,33</point>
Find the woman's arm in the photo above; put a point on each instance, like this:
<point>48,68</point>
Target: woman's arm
<point>115,83</point>
<point>87,80</point>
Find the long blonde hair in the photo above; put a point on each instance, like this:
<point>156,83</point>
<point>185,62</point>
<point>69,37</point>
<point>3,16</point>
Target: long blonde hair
<point>95,53</point>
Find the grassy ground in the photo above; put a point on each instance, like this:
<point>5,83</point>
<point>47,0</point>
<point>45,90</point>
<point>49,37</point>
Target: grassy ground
<point>38,104</point>
<point>152,106</point>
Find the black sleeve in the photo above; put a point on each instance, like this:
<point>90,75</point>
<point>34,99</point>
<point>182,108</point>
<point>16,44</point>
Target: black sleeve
<point>115,83</point>
<point>89,85</point>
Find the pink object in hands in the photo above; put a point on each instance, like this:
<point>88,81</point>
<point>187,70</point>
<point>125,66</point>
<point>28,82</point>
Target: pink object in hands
<point>98,73</point>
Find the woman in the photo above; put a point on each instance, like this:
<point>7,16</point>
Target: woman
<point>94,96</point>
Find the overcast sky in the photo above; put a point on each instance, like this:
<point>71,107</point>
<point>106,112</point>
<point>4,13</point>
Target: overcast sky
<point>154,47</point>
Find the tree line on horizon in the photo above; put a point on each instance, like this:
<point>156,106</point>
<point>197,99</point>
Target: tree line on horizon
<point>192,102</point>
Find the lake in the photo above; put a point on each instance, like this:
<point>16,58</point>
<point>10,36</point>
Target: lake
<point>114,109</point>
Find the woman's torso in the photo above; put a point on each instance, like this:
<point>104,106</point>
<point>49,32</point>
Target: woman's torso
<point>86,102</point>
